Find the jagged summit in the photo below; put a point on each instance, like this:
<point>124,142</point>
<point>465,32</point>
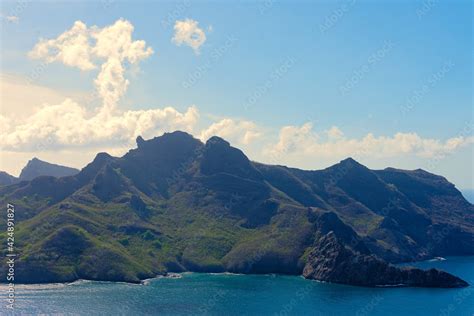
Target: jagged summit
<point>140,141</point>
<point>167,141</point>
<point>176,136</point>
<point>349,160</point>
<point>100,160</point>
<point>349,163</point>
<point>36,167</point>
<point>215,140</point>
<point>102,156</point>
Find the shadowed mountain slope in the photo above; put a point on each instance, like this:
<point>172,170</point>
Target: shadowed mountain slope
<point>7,179</point>
<point>36,168</point>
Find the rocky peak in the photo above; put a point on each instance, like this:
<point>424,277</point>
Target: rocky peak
<point>36,167</point>
<point>219,156</point>
<point>332,261</point>
<point>167,143</point>
<point>217,141</point>
<point>140,141</point>
<point>349,161</point>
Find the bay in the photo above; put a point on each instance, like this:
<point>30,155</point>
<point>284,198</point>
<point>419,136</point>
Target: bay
<point>228,294</point>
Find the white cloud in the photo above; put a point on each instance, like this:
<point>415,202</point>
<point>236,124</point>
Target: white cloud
<point>12,18</point>
<point>115,44</point>
<point>334,133</point>
<point>72,48</point>
<point>291,137</point>
<point>238,132</point>
<point>304,143</point>
<point>67,123</point>
<point>21,97</point>
<point>87,48</point>
<point>187,32</point>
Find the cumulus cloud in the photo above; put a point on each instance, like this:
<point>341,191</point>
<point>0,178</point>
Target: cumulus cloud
<point>12,18</point>
<point>238,132</point>
<point>88,48</point>
<point>187,32</point>
<point>303,142</point>
<point>20,98</point>
<point>292,137</point>
<point>334,133</point>
<point>70,124</point>
<point>72,48</point>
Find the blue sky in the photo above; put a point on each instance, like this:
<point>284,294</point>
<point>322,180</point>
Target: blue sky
<point>383,68</point>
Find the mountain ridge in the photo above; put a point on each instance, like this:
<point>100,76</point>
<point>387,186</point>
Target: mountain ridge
<point>176,204</point>
<point>36,168</point>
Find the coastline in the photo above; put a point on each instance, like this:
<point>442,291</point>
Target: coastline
<point>179,275</point>
<point>224,294</point>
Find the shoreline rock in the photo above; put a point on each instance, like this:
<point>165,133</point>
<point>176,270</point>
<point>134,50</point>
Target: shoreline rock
<point>331,261</point>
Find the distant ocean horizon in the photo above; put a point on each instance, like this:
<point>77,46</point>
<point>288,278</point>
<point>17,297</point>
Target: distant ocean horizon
<point>231,294</point>
<point>468,195</point>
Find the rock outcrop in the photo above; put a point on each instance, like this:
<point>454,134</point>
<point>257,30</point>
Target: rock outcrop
<point>36,168</point>
<point>332,261</point>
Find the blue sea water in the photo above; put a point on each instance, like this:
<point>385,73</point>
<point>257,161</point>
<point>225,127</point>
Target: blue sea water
<point>468,195</point>
<point>226,294</point>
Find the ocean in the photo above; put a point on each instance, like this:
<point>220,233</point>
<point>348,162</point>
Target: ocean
<point>230,294</point>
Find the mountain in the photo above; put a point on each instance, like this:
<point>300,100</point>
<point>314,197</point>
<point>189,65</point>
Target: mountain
<point>35,168</point>
<point>176,204</point>
<point>7,179</point>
